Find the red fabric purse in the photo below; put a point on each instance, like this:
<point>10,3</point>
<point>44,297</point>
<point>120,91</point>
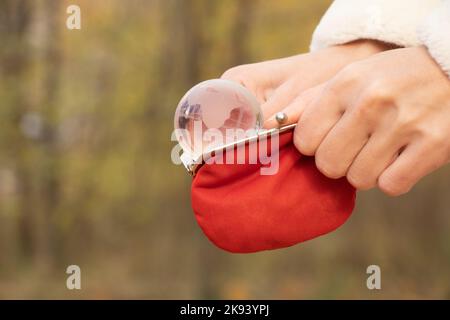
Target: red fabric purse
<point>242,211</point>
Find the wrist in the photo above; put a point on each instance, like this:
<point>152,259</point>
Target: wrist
<point>361,49</point>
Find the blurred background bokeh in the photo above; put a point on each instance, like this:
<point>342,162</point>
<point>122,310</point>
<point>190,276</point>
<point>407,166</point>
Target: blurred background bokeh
<point>86,177</point>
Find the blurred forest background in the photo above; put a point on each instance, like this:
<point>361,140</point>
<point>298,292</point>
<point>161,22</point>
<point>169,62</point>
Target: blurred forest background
<point>86,177</point>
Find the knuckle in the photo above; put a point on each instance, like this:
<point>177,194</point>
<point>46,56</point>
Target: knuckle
<point>435,138</point>
<point>393,186</point>
<point>364,109</point>
<point>328,168</point>
<point>237,73</point>
<point>373,101</point>
<point>359,180</point>
<point>407,125</point>
<point>379,91</point>
<point>302,146</point>
<point>336,88</point>
<point>348,75</point>
<point>346,78</point>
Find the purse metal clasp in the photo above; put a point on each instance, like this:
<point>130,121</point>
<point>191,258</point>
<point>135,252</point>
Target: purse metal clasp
<point>192,164</point>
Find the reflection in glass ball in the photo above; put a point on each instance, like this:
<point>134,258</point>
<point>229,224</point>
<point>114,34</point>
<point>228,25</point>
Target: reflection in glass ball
<point>213,109</point>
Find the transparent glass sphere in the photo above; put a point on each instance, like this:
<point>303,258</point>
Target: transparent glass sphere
<point>213,108</point>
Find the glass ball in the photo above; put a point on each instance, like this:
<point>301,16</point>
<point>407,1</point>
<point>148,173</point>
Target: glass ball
<point>215,108</point>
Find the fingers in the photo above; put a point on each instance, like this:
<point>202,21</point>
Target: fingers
<point>415,162</point>
<point>289,98</point>
<point>240,74</point>
<point>279,99</point>
<point>376,155</point>
<point>364,144</point>
<point>263,78</point>
<point>236,74</point>
<point>295,108</point>
<point>316,121</point>
<point>341,146</point>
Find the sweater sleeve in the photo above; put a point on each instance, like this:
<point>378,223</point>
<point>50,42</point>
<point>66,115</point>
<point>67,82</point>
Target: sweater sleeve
<point>434,33</point>
<point>391,21</point>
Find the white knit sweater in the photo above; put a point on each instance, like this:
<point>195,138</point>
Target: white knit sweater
<point>405,23</point>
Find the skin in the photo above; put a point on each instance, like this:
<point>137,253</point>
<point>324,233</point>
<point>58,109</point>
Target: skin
<point>382,120</point>
<point>276,83</point>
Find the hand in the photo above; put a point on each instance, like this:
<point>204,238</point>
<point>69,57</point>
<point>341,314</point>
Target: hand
<point>382,121</point>
<point>276,83</point>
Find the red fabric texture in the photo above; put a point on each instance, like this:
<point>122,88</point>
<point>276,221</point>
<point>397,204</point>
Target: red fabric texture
<point>242,211</point>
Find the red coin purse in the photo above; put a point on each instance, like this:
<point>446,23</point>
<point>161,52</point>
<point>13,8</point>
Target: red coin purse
<point>242,211</point>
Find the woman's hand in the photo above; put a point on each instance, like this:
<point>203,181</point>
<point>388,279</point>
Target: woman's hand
<point>381,121</point>
<point>277,82</point>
